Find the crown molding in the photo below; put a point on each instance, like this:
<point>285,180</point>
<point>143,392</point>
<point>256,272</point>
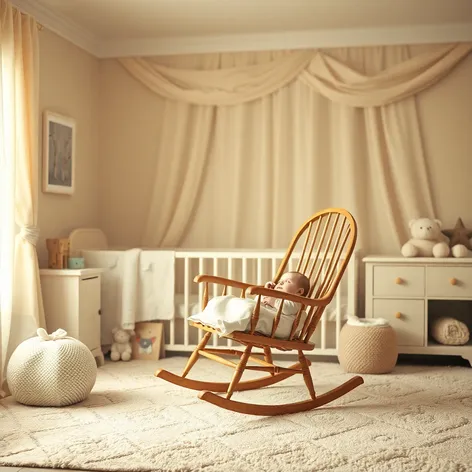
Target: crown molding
<point>60,25</point>
<point>430,34</point>
<point>348,37</point>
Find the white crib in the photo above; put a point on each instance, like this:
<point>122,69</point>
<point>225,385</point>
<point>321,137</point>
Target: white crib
<point>256,267</point>
<point>248,265</point>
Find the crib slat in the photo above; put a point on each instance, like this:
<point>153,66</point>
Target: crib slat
<point>323,320</point>
<point>352,286</point>
<point>338,310</point>
<point>229,342</point>
<point>201,270</point>
<point>215,272</point>
<point>172,331</point>
<point>259,271</point>
<point>186,299</point>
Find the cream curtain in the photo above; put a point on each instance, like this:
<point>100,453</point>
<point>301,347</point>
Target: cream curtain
<point>21,307</point>
<point>334,79</point>
<point>335,128</point>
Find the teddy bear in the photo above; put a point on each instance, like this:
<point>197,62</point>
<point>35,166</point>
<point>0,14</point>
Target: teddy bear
<point>121,347</point>
<point>427,239</point>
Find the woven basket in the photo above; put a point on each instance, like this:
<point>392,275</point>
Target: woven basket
<point>367,346</point>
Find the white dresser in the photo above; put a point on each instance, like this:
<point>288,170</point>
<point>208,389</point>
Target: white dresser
<point>409,293</point>
<point>72,302</point>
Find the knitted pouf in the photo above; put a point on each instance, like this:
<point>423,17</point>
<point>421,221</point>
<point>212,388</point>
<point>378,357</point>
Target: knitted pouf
<point>51,370</point>
<point>367,346</point>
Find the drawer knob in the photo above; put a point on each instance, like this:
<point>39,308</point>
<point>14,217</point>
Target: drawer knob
<point>453,281</point>
<point>398,280</point>
<point>398,315</point>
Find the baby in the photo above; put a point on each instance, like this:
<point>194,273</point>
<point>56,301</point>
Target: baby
<point>229,313</point>
<point>290,282</point>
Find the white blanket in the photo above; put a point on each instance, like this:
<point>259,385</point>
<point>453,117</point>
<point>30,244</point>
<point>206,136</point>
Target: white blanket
<point>129,294</point>
<point>229,313</point>
<point>156,286</point>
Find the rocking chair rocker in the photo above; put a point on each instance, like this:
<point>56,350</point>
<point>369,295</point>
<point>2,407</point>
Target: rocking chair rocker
<point>321,250</point>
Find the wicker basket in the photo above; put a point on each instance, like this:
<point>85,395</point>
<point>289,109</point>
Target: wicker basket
<point>367,346</point>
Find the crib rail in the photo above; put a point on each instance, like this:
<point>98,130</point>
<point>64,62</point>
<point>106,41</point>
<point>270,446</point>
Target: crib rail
<point>254,267</point>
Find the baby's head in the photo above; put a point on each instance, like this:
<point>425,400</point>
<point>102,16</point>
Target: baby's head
<point>294,282</point>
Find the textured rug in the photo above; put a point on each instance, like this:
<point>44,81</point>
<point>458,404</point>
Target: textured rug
<point>416,418</point>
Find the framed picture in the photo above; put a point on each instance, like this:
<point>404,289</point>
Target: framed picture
<point>58,153</point>
<point>148,343</point>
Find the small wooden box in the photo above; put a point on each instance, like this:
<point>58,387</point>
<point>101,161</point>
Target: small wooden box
<point>58,252</point>
<point>148,343</point>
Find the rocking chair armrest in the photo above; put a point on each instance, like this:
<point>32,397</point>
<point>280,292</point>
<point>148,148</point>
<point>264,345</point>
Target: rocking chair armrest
<point>221,280</point>
<point>270,292</point>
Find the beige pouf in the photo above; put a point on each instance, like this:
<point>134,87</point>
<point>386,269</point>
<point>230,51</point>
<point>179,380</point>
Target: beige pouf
<point>367,346</point>
<point>51,370</point>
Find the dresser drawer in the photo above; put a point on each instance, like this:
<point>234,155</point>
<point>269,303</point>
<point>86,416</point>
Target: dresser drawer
<point>398,281</point>
<point>407,317</point>
<point>450,282</point>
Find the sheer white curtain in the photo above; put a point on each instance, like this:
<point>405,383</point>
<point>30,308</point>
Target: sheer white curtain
<point>7,179</point>
<point>21,310</point>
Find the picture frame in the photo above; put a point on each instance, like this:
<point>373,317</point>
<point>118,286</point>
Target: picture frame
<point>148,341</point>
<point>59,143</point>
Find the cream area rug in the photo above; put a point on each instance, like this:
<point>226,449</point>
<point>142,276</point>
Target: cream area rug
<point>415,419</point>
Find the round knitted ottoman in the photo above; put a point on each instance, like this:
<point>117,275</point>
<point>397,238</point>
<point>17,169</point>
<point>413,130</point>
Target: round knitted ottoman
<point>367,346</point>
<point>51,370</point>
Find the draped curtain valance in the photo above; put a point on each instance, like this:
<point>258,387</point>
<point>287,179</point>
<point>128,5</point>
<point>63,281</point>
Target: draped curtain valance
<point>330,77</point>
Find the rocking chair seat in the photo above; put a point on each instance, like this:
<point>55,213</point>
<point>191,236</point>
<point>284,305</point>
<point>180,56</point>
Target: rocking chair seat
<point>258,339</point>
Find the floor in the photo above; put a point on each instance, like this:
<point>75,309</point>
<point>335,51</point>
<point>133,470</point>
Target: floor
<point>27,469</point>
<point>417,417</point>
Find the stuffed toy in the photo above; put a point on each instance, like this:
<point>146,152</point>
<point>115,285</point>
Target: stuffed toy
<point>121,347</point>
<point>460,240</point>
<point>427,239</point>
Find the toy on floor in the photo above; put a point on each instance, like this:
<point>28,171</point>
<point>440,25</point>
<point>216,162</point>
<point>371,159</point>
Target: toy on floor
<point>427,239</point>
<point>121,347</point>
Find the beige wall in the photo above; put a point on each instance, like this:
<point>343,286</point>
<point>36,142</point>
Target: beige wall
<point>130,113</point>
<point>69,84</point>
<point>446,117</point>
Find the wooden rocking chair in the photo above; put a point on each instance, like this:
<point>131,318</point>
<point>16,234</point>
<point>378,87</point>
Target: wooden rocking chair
<point>321,250</point>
